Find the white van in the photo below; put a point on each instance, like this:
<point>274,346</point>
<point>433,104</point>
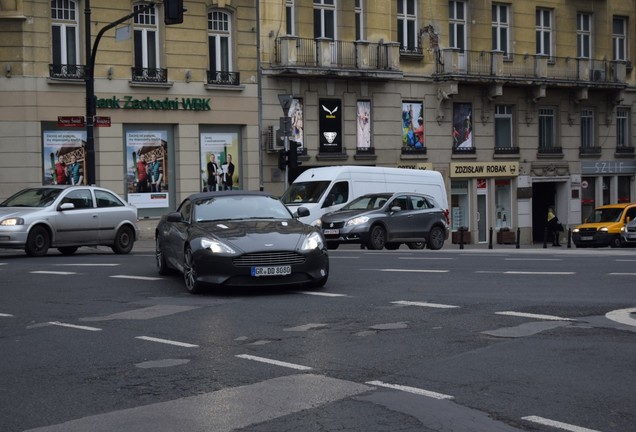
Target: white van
<point>326,189</point>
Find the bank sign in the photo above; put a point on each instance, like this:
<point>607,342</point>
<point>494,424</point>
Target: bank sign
<point>485,169</point>
<point>165,104</point>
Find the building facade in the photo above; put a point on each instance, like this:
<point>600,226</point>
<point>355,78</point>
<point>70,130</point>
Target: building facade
<point>520,105</point>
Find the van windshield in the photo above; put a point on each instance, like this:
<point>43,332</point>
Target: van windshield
<point>305,192</point>
<point>606,215</point>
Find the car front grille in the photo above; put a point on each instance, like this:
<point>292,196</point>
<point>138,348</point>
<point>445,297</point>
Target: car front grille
<point>330,225</point>
<point>269,259</point>
<point>587,231</point>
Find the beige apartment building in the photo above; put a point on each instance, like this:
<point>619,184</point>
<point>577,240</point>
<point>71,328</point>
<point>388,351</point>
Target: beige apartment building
<point>520,105</point>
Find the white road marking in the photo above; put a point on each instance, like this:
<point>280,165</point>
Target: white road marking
<point>274,362</point>
<point>86,265</point>
<point>166,341</point>
<point>424,258</point>
<point>538,273</point>
<point>537,316</point>
<point>557,424</point>
<point>148,278</point>
<point>625,260</point>
<point>73,326</point>
<point>410,270</point>
<point>533,259</point>
<point>4,263</point>
<point>622,316</point>
<point>413,390</point>
<point>53,272</point>
<point>622,274</point>
<point>5,315</point>
<point>424,304</point>
<point>324,294</point>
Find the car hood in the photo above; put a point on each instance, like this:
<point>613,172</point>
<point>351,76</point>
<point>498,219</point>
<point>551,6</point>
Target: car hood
<point>257,235</point>
<point>6,212</point>
<point>343,215</point>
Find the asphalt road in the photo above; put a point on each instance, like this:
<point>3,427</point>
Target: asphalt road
<point>450,340</point>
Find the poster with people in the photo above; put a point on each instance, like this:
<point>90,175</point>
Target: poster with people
<point>413,125</point>
<point>296,114</point>
<point>147,168</point>
<point>364,125</point>
<point>219,159</point>
<point>462,126</point>
<point>64,155</point>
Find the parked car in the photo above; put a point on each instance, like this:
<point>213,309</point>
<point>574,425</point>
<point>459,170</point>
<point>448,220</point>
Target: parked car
<point>628,233</point>
<point>67,217</point>
<point>386,220</point>
<point>603,227</point>
<point>240,238</point>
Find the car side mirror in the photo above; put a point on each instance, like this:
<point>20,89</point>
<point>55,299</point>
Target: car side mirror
<point>66,206</point>
<point>396,209</point>
<point>174,217</point>
<point>302,212</point>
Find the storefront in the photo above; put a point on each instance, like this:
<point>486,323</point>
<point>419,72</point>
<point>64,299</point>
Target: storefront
<point>606,182</point>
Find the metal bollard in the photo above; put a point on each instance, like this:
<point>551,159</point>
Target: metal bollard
<point>490,238</point>
<point>545,238</point>
<point>517,244</point>
<point>461,237</point>
<point>569,238</point>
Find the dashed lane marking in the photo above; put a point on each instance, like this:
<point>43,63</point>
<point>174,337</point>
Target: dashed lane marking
<point>6,315</point>
<point>533,259</point>
<point>274,362</point>
<point>324,294</point>
<point>424,304</point>
<point>87,265</point>
<point>148,278</point>
<point>166,341</point>
<point>425,258</point>
<point>53,272</point>
<point>413,390</point>
<point>410,270</point>
<point>73,326</point>
<point>538,273</point>
<point>556,424</point>
<point>537,316</point>
<point>622,274</point>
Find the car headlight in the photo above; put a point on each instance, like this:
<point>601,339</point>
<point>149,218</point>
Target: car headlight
<point>216,246</point>
<point>604,229</point>
<point>357,220</point>
<point>623,229</point>
<point>12,222</point>
<point>575,230</point>
<point>318,223</point>
<point>313,241</point>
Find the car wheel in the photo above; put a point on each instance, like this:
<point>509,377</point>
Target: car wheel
<point>435,238</point>
<point>332,245</point>
<point>377,238</point>
<point>392,246</point>
<point>124,240</point>
<point>67,250</point>
<point>38,242</point>
<point>162,266</point>
<point>416,245</point>
<point>615,242</point>
<point>190,273</point>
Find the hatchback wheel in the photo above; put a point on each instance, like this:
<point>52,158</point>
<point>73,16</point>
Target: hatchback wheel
<point>38,242</point>
<point>435,238</point>
<point>377,238</point>
<point>124,240</point>
<point>190,273</point>
<point>615,242</point>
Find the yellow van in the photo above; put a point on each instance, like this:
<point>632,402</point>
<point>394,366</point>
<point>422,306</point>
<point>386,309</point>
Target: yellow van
<point>603,226</point>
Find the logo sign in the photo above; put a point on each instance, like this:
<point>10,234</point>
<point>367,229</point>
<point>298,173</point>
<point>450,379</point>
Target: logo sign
<point>101,121</point>
<point>330,123</point>
<point>71,121</point>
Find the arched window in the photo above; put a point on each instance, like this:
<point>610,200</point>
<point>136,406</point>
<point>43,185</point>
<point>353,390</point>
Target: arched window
<point>65,39</point>
<point>220,46</point>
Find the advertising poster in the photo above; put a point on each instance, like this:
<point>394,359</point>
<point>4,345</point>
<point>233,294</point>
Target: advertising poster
<point>413,125</point>
<point>330,122</point>
<point>147,168</point>
<point>296,114</point>
<point>64,157</point>
<point>364,125</point>
<point>219,160</point>
<point>462,126</point>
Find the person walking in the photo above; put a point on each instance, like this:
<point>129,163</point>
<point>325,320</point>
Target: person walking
<point>554,226</point>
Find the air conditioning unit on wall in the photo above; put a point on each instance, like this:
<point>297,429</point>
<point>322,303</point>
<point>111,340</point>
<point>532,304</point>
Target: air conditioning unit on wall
<point>274,139</point>
<point>597,75</point>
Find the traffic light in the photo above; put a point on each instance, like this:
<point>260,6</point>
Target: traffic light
<point>292,157</point>
<point>173,11</point>
<point>282,159</point>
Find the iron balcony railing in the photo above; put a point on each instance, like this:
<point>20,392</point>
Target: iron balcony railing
<point>223,78</point>
<point>497,64</point>
<point>67,71</point>
<point>149,75</point>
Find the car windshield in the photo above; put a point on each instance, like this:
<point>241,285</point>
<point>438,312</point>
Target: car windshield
<point>368,202</point>
<point>606,215</point>
<point>239,207</point>
<point>36,197</point>
<point>305,192</point>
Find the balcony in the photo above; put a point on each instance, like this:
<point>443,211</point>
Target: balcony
<point>149,75</point>
<point>506,150</point>
<point>223,78</point>
<point>526,69</point>
<point>324,57</point>
<point>67,72</point>
<point>589,151</point>
<point>550,151</point>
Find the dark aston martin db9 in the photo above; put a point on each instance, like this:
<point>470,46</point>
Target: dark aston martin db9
<point>240,239</point>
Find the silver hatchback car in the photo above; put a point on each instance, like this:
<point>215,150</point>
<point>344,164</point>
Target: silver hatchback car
<point>67,217</point>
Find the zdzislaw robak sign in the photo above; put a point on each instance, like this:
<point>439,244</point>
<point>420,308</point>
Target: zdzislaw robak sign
<point>484,169</point>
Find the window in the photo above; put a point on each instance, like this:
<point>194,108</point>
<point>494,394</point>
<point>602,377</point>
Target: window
<point>219,44</point>
<point>622,128</point>
<point>547,130</point>
<point>619,38</point>
<point>146,43</point>
<point>584,35</point>
<point>457,25</point>
<point>107,199</point>
<point>407,25</point>
<point>359,10</point>
<point>325,19</point>
<point>587,128</point>
<point>64,38</point>
<point>544,32</point>
<point>503,127</point>
<point>289,17</point>
<point>501,29</point>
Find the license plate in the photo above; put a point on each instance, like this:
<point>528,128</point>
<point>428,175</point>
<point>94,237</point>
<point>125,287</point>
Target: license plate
<point>585,238</point>
<point>271,271</point>
<point>330,231</point>
<point>631,236</point>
